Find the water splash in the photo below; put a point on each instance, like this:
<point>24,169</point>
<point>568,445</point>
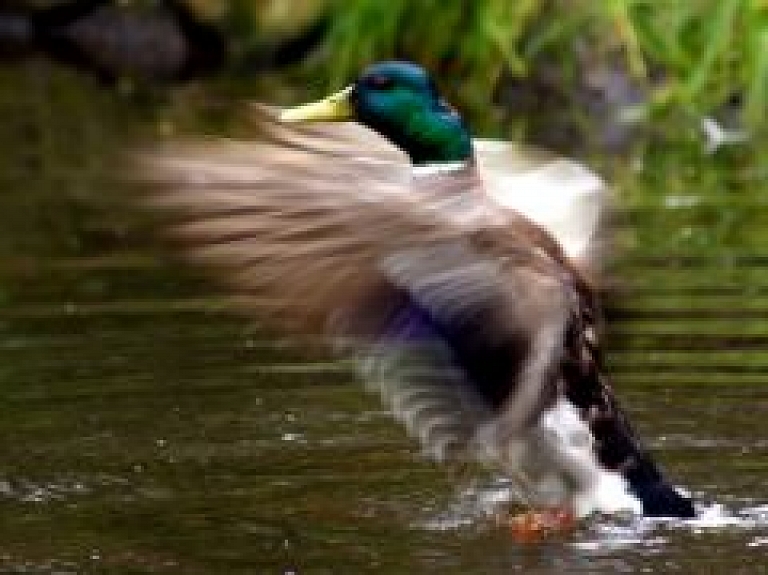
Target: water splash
<point>27,491</point>
<point>473,505</point>
<point>477,505</point>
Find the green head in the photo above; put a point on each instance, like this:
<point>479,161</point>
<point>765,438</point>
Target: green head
<point>398,100</point>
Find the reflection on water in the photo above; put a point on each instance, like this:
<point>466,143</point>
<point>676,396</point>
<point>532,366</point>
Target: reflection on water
<point>146,428</point>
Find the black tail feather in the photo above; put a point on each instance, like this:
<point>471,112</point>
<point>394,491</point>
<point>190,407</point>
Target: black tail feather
<point>662,500</point>
<point>618,445</point>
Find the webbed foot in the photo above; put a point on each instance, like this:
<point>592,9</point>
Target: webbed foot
<point>537,525</point>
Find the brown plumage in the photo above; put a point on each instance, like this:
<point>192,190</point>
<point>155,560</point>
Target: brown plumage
<point>304,216</point>
<point>327,231</point>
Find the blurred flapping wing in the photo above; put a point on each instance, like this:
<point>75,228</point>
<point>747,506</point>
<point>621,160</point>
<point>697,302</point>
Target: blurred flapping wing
<point>330,233</point>
<point>306,219</point>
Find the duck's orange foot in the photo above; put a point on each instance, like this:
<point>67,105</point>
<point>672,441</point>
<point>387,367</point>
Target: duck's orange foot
<point>535,526</point>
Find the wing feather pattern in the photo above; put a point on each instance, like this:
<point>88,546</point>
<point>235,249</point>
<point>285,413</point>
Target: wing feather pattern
<point>333,235</point>
<point>462,312</point>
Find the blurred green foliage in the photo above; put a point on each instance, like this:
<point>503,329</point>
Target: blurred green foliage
<point>699,54</point>
<point>696,55</point>
<point>685,60</point>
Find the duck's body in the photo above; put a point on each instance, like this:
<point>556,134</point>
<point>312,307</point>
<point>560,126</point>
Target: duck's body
<point>467,316</point>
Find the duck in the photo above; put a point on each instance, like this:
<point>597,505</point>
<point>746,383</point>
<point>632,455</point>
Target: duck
<point>460,289</point>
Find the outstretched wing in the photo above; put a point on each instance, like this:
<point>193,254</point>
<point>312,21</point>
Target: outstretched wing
<point>562,196</point>
<point>325,236</point>
<point>464,314</point>
<point>302,227</point>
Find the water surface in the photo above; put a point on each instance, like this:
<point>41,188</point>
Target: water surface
<point>145,427</point>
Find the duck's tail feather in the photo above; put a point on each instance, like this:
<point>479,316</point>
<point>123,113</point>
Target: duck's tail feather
<point>662,500</point>
<point>618,447</point>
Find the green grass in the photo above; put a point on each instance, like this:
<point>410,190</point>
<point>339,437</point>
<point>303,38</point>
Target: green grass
<point>697,54</point>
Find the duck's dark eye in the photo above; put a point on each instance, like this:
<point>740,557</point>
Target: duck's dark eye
<point>379,82</point>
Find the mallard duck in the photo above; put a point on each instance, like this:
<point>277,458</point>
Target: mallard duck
<point>475,324</point>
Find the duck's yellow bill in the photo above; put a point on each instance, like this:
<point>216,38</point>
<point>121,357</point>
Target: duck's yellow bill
<point>334,108</point>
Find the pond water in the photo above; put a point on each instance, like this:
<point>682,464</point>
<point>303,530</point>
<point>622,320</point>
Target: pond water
<point>146,428</point>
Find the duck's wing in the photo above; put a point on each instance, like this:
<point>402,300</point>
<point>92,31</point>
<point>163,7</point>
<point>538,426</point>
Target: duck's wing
<point>559,194</point>
<point>467,317</point>
<point>295,222</point>
<point>325,240</point>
